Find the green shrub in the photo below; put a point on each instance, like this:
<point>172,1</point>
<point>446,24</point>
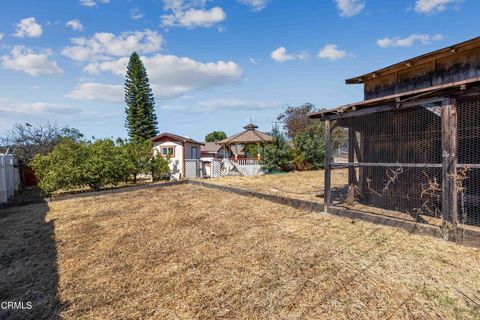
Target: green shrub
<point>74,164</point>
<point>278,155</point>
<point>310,147</point>
<point>61,168</point>
<point>158,167</point>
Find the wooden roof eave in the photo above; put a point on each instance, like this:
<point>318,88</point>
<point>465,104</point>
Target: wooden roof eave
<point>394,99</point>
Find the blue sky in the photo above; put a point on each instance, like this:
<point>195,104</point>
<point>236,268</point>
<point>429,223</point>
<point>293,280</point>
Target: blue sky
<point>213,65</point>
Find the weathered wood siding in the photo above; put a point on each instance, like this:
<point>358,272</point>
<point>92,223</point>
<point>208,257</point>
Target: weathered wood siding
<point>452,68</point>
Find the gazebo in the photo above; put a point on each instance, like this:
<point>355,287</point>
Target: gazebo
<point>250,136</point>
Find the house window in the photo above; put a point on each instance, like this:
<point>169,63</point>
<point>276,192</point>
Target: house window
<point>168,151</point>
<point>194,153</point>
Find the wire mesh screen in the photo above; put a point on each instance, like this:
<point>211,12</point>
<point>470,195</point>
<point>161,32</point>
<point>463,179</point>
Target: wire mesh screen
<point>469,158</point>
<point>397,161</point>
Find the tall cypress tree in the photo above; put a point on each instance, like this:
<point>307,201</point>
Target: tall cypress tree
<point>141,122</point>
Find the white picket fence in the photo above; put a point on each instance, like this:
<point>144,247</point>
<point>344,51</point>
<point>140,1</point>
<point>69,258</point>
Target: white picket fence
<point>9,177</point>
<point>247,162</point>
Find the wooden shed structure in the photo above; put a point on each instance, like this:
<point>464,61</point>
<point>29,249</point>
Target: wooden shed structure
<point>414,142</point>
<point>247,137</point>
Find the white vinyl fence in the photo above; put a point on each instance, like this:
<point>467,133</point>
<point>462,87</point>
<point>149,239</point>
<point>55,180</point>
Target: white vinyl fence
<point>9,177</point>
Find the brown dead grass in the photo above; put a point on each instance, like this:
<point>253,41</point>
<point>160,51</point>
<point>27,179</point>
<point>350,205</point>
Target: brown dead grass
<point>298,184</point>
<point>187,252</point>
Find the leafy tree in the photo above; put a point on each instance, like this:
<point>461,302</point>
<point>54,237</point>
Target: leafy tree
<point>75,164</point>
<point>215,136</point>
<point>252,150</point>
<point>278,155</point>
<point>310,147</point>
<point>135,158</point>
<point>141,121</point>
<point>61,168</point>
<point>100,167</point>
<point>308,136</point>
<point>295,119</point>
<point>28,140</point>
<point>158,167</point>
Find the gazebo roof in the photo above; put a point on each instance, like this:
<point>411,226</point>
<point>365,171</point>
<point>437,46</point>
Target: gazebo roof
<point>249,135</point>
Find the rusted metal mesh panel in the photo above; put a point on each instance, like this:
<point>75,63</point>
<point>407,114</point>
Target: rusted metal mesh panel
<point>398,161</point>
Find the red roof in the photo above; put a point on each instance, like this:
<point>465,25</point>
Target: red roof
<point>176,137</point>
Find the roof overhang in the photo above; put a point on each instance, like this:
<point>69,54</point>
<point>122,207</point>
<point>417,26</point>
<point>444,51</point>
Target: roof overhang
<point>431,56</point>
<point>176,137</point>
<point>397,100</point>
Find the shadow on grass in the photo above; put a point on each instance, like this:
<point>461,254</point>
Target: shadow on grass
<point>28,263</point>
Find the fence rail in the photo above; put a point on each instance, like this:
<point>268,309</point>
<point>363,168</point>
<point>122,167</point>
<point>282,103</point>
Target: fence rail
<point>246,162</point>
<point>9,177</point>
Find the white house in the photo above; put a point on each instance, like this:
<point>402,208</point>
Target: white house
<point>178,148</point>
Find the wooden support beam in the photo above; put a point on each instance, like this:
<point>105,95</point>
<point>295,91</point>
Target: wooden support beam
<point>352,175</point>
<point>449,169</point>
<point>360,158</point>
<point>328,168</point>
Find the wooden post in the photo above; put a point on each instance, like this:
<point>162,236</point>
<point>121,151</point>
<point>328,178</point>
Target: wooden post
<point>449,168</point>
<point>352,176</point>
<point>328,168</point>
<point>360,150</point>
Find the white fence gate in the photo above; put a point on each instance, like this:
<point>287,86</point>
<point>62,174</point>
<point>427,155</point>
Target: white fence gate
<point>9,177</point>
<point>193,168</point>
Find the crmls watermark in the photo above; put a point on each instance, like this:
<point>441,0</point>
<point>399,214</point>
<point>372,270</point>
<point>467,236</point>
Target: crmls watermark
<point>15,305</point>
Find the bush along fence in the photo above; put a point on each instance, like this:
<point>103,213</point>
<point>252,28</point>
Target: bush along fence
<point>9,177</point>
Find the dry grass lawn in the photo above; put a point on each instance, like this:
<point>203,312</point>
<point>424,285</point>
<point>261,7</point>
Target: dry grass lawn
<point>299,184</point>
<point>186,252</point>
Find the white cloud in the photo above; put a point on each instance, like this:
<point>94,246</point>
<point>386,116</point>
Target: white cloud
<point>433,6</point>
<point>31,62</point>
<point>408,41</point>
<point>88,3</point>
<point>28,27</point>
<point>238,104</point>
<point>12,107</point>
<point>191,14</point>
<point>136,14</point>
<point>75,25</point>
<point>97,91</point>
<point>331,52</point>
<point>92,3</point>
<point>223,104</point>
<point>171,76</point>
<point>280,55</point>
<point>256,5</point>
<point>103,45</point>
<point>350,8</point>
<point>1,36</point>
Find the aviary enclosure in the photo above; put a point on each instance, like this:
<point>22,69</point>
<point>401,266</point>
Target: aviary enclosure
<point>414,143</point>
